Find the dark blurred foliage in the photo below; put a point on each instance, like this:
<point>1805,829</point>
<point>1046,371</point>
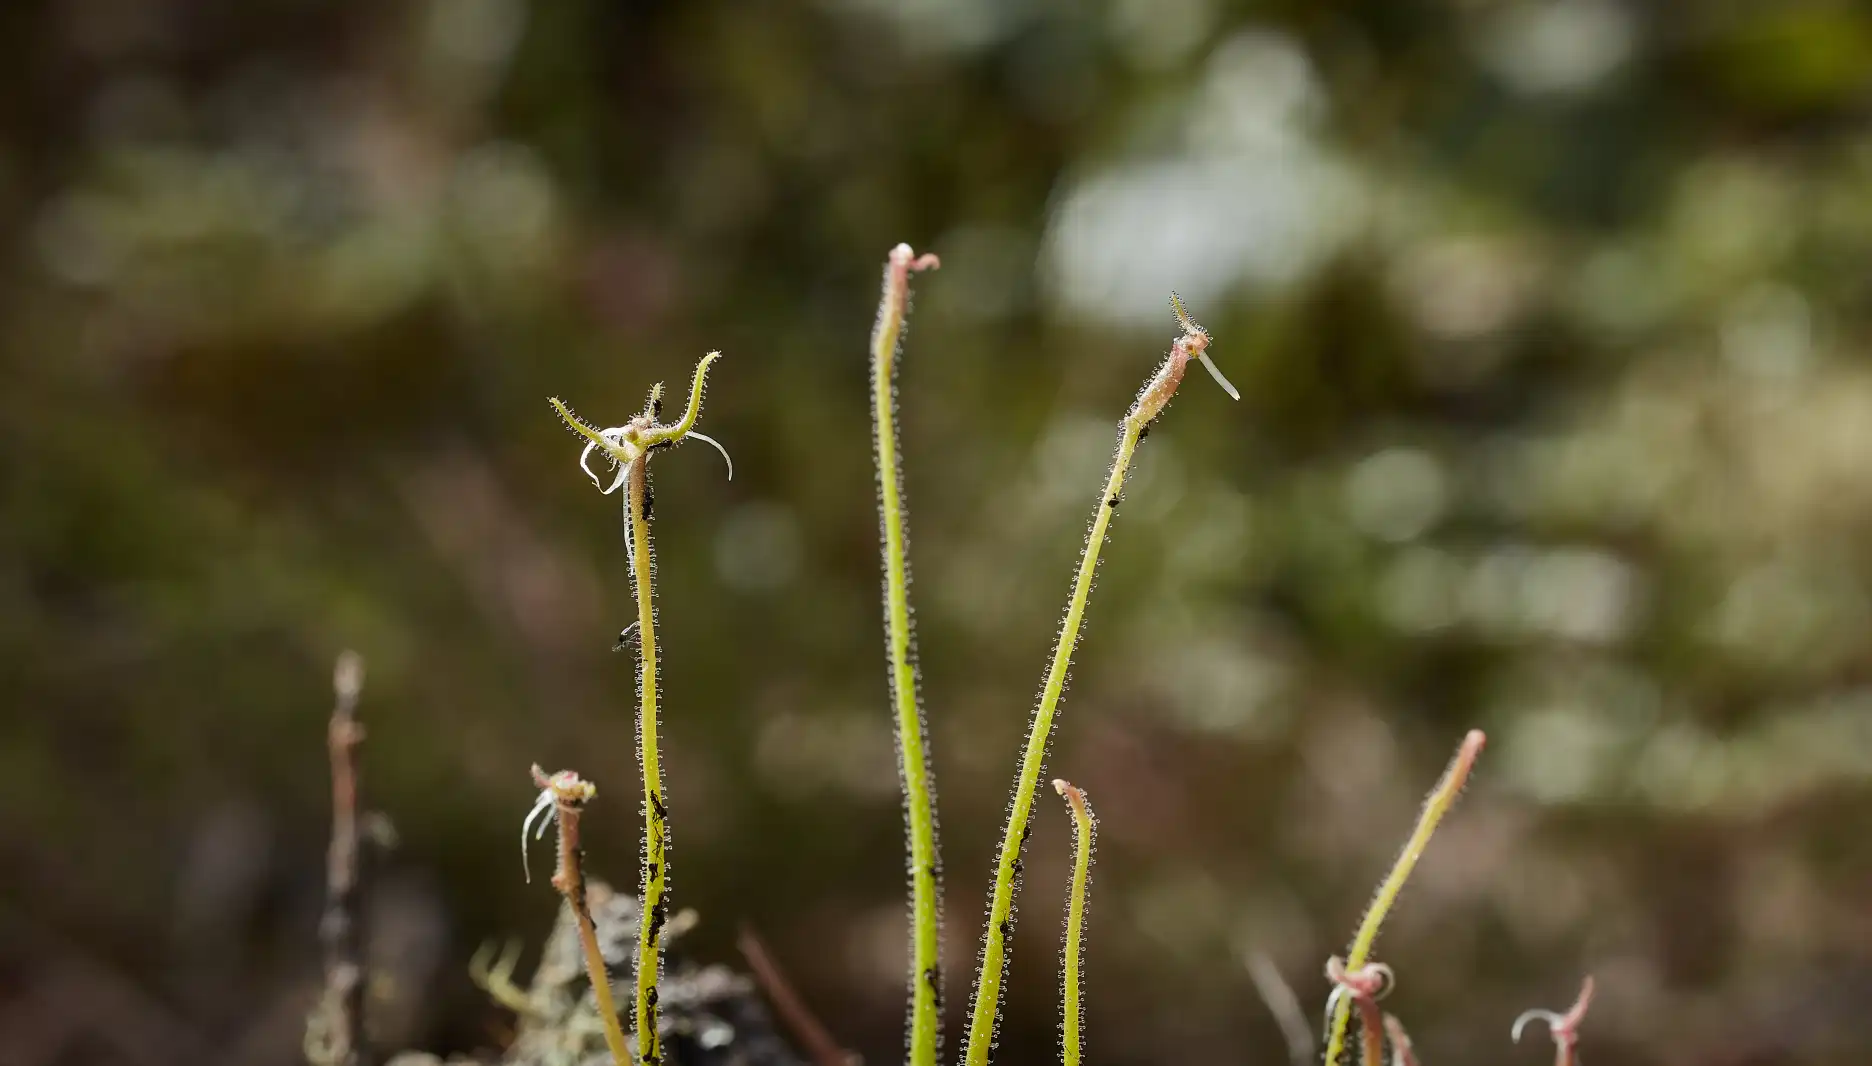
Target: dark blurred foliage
<point>1552,321</point>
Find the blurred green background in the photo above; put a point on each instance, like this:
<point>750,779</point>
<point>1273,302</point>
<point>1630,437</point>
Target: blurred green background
<point>1552,323</point>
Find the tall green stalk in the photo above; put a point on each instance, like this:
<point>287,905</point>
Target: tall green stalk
<point>630,447</point>
<point>1441,799</point>
<point>984,1015</point>
<point>913,769</point>
<point>655,907</point>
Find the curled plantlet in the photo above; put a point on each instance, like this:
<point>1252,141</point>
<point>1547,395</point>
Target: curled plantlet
<point>1193,344</point>
<point>1072,952</point>
<point>913,770</point>
<point>1441,799</point>
<point>627,443</point>
<point>1564,1028</point>
<point>1364,986</point>
<point>564,795</point>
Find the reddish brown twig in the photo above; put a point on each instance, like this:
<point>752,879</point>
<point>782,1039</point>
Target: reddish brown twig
<point>820,1045</point>
<point>1564,1028</point>
<point>335,1032</point>
<point>566,793</point>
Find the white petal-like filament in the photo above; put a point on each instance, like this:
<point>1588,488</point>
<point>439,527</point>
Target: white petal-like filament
<point>712,442</point>
<point>615,435</point>
<point>544,805</point>
<point>1216,373</point>
<point>585,463</point>
<point>1332,1000</point>
<point>1552,1019</point>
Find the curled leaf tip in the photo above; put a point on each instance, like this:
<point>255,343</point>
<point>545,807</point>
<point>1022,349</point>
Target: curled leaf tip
<point>1563,1028</point>
<point>1374,980</point>
<point>1536,1015</point>
<point>905,256</point>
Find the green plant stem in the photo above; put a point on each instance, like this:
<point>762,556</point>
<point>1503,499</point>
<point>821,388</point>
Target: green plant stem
<point>653,908</point>
<point>630,446</point>
<point>1072,952</point>
<point>987,1005</point>
<point>912,738</point>
<point>1441,799</point>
